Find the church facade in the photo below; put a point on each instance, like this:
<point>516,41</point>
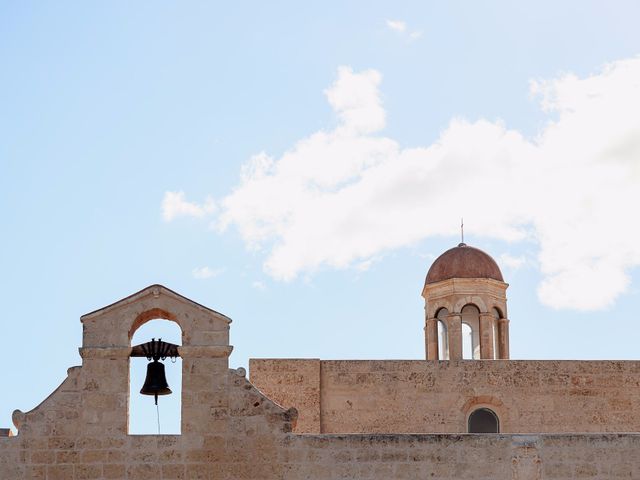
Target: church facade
<point>465,412</point>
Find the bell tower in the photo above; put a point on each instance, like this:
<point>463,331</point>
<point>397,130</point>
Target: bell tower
<point>106,349</point>
<point>465,307</point>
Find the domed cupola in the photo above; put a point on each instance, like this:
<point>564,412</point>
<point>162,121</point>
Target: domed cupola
<point>466,307</point>
<point>463,261</point>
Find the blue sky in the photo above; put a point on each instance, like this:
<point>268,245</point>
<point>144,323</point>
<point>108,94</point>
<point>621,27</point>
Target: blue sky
<point>299,167</point>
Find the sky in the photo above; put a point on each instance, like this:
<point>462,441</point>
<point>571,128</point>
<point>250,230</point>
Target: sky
<point>299,167</point>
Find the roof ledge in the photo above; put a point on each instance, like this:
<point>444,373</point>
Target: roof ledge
<point>156,291</point>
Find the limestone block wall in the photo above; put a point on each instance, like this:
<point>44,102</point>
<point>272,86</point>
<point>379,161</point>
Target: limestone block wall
<point>436,397</point>
<point>81,430</point>
<point>455,457</point>
<point>231,430</point>
<point>250,437</point>
<point>58,441</point>
<point>294,382</point>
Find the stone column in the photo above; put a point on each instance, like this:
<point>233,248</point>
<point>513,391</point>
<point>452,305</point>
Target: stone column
<point>454,328</point>
<point>431,338</point>
<point>486,336</point>
<point>205,396</point>
<point>503,339</point>
<point>104,391</point>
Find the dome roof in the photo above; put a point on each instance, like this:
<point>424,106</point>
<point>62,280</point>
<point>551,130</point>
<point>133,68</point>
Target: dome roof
<point>463,261</point>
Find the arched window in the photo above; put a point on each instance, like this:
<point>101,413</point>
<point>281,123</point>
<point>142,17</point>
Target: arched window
<point>496,316</point>
<point>443,335</point>
<point>470,332</point>
<point>467,342</point>
<point>144,418</point>
<point>483,420</point>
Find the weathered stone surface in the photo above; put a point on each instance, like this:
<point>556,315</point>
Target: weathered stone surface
<point>80,431</point>
<point>414,396</point>
<point>232,430</point>
<point>295,382</point>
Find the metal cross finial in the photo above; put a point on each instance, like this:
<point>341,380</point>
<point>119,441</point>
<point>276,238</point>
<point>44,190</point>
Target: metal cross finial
<point>462,230</point>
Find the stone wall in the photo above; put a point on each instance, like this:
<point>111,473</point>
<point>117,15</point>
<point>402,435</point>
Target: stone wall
<point>232,431</point>
<point>294,382</point>
<point>467,456</point>
<point>436,397</point>
<point>236,438</point>
<point>263,454</point>
<point>81,430</point>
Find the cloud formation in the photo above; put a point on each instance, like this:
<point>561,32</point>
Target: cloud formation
<point>401,28</point>
<point>397,25</point>
<point>202,273</point>
<point>175,205</point>
<point>511,262</point>
<point>342,197</point>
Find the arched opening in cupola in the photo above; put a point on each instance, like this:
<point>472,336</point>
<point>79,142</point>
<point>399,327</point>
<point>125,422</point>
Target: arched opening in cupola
<point>497,315</point>
<point>470,332</point>
<point>443,334</point>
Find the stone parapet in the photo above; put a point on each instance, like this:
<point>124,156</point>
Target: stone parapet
<point>419,396</point>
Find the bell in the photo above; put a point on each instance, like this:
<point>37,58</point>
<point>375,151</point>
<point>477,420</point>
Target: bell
<point>156,382</point>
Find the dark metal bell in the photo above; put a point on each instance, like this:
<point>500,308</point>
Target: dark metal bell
<point>156,382</point>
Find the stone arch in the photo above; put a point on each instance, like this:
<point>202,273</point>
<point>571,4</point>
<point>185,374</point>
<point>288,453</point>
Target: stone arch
<point>439,305</point>
<point>106,346</point>
<point>489,402</point>
<point>471,304</point>
<point>475,300</point>
<point>114,325</point>
<point>439,311</point>
<point>483,420</point>
<point>470,319</point>
<point>152,314</point>
<point>141,415</point>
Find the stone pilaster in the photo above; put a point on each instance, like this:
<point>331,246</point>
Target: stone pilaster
<point>486,336</point>
<point>454,328</point>
<point>431,339</point>
<point>104,390</point>
<point>503,339</point>
<point>205,398</point>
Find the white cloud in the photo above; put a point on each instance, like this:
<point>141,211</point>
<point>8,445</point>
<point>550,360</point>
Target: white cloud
<point>202,273</point>
<point>258,285</point>
<point>366,264</point>
<point>512,262</point>
<point>401,28</point>
<point>174,205</point>
<point>355,99</point>
<point>397,25</point>
<point>338,198</point>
